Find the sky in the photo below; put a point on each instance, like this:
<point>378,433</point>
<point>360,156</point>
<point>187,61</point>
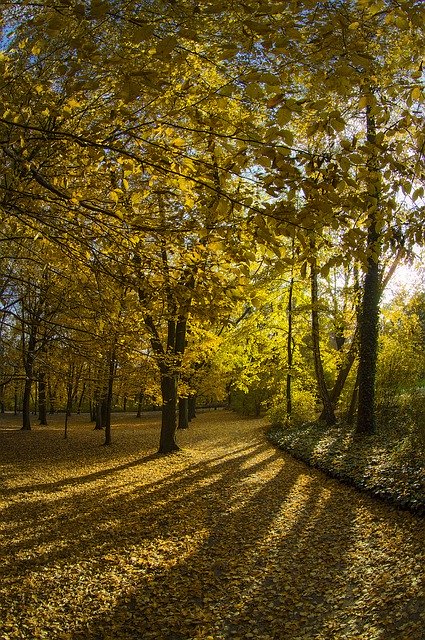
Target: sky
<point>407,278</point>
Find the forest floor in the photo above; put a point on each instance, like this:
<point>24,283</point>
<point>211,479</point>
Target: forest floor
<point>230,538</point>
<point>390,464</point>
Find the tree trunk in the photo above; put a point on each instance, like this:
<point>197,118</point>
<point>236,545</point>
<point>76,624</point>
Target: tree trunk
<point>67,408</point>
<point>343,373</point>
<point>92,410</point>
<point>353,402</point>
<point>42,406</point>
<point>15,401</point>
<point>98,422</point>
<point>169,359</point>
<point>140,399</point>
<point>2,408</point>
<point>51,393</point>
<point>369,316</point>
<point>368,349</point>
<point>80,401</point>
<point>169,362</point>
<point>76,374</point>
<point>99,408</point>
<point>192,407</point>
<point>167,441</point>
<point>183,413</point>
<point>29,357</point>
<point>101,413</point>
<point>26,413</point>
<point>108,399</point>
<point>289,351</point>
<point>328,411</point>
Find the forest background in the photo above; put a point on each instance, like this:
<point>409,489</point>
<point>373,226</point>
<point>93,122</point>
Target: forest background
<point>202,201</point>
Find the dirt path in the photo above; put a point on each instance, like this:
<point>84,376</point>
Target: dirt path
<point>228,539</point>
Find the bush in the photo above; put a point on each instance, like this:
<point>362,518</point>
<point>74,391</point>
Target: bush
<point>304,408</point>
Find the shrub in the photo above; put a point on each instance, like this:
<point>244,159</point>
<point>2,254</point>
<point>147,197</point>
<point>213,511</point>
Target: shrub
<point>304,409</point>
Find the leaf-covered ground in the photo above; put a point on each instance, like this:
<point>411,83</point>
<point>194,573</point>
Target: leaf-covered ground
<point>228,539</point>
<point>389,464</point>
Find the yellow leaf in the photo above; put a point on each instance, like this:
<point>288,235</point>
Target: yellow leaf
<point>178,142</point>
<point>72,102</point>
<point>165,46</point>
<point>253,91</point>
<point>363,102</point>
<point>141,32</point>
<point>283,116</point>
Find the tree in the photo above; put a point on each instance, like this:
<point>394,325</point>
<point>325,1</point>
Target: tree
<point>164,153</point>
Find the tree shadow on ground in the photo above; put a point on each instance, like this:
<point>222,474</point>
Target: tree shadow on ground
<point>52,515</point>
<point>237,541</point>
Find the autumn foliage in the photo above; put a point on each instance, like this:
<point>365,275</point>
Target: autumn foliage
<point>229,538</point>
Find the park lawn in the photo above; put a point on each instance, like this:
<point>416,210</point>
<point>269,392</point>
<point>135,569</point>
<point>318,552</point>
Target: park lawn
<point>229,538</point>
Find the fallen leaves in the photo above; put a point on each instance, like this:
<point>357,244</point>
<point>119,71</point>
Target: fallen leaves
<point>227,539</point>
<point>389,465</point>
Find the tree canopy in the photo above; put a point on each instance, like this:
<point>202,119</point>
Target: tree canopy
<point>166,163</point>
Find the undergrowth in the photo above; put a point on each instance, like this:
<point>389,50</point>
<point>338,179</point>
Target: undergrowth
<point>389,464</point>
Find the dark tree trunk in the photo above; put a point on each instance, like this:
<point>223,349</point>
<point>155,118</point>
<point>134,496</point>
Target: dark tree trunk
<point>67,408</point>
<point>100,393</point>
<point>51,394</point>
<point>352,352</point>
<point>343,373</point>
<point>108,399</point>
<point>289,351</point>
<point>2,408</point>
<point>192,407</point>
<point>167,442</point>
<point>29,367</point>
<point>35,400</point>
<point>176,337</point>
<point>170,358</point>
<point>93,410</point>
<point>26,413</point>
<point>328,411</point>
<point>369,315</point>
<point>183,413</point>
<point>140,404</point>
<point>42,406</point>
<point>15,402</point>
<point>98,422</point>
<point>353,402</point>
<point>99,407</point>
<point>80,401</point>
<point>368,350</point>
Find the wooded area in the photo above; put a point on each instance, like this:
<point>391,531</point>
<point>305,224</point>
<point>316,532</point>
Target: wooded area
<point>203,205</point>
<point>202,200</point>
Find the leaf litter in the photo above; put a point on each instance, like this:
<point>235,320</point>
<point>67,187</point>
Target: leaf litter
<point>227,539</point>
